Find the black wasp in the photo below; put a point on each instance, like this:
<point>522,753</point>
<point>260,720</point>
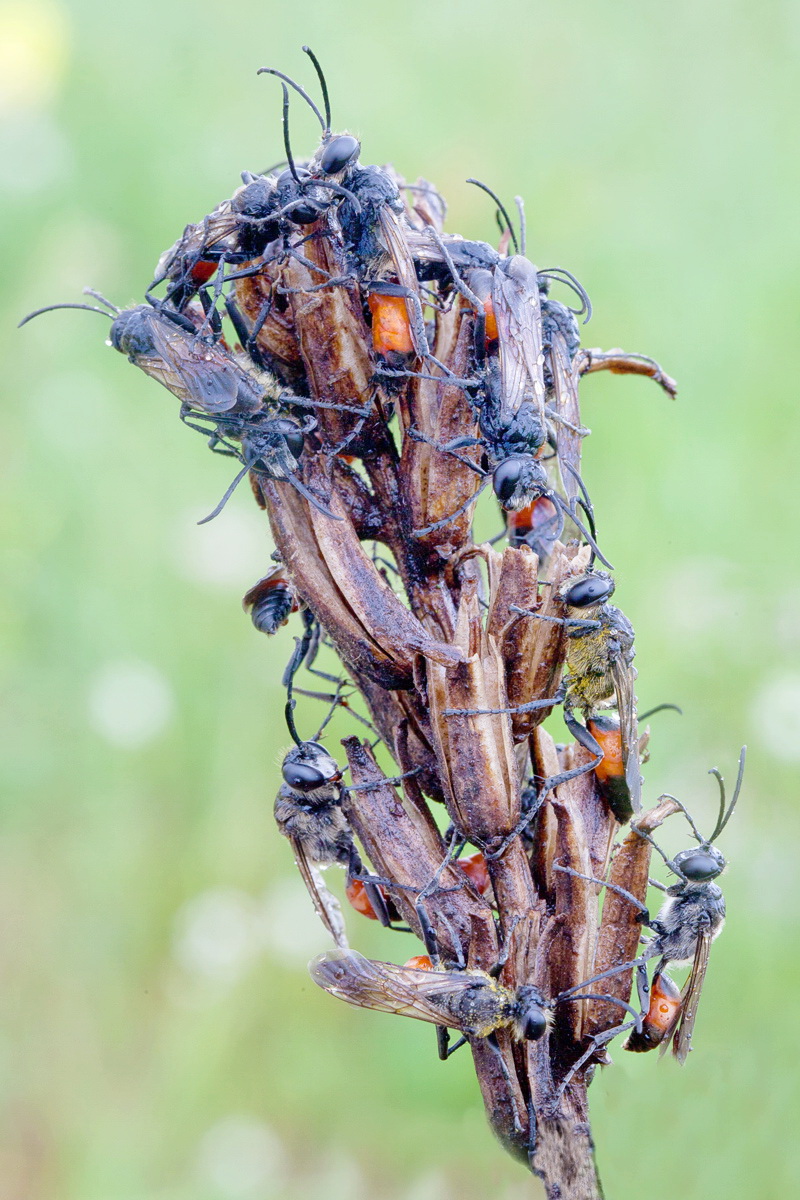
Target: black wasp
<point>220,398</point>
<point>308,807</point>
<point>511,408</point>
<point>689,920</point>
<point>271,601</point>
<point>308,811</point>
<point>166,345</point>
<point>471,1001</point>
<point>264,209</point>
<point>237,231</point>
<point>368,204</point>
<point>600,671</point>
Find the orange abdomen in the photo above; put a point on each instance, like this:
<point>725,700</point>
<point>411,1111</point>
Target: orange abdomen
<point>391,329</point>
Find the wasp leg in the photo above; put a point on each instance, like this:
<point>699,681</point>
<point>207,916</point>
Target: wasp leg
<point>644,919</point>
<point>461,443</point>
<point>583,737</point>
<point>553,781</point>
<point>491,1041</point>
<point>417,533</point>
<point>531,706</point>
<point>642,915</point>
<point>598,1041</point>
<point>246,336</point>
<point>379,783</point>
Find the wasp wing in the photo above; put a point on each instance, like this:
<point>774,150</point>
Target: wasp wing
<point>424,995</point>
<point>325,903</point>
<point>517,309</point>
<point>569,434</point>
<point>682,1042</point>
<point>623,674</point>
<point>197,240</point>
<point>196,371</point>
<point>394,236</point>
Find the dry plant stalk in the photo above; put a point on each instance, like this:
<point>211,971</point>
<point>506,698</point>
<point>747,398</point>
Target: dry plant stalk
<point>400,425</point>
<point>454,643</point>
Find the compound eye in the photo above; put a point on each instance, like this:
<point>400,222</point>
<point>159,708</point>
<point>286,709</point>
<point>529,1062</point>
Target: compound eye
<point>302,776</point>
<point>339,153</point>
<point>592,589</point>
<point>508,477</point>
<point>131,333</point>
<point>534,1025</point>
<point>699,867</point>
<point>304,214</point>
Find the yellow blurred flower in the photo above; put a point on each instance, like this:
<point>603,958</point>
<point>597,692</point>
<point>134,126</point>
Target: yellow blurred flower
<point>34,46</point>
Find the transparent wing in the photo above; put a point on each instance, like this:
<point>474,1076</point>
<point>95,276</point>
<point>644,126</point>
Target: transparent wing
<point>192,369</point>
<point>682,1042</point>
<point>565,397</point>
<point>424,995</point>
<point>207,235</point>
<point>395,237</point>
<point>325,903</point>
<point>517,308</point>
<point>623,675</point>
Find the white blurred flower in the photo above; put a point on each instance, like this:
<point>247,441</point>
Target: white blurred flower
<point>241,1158</point>
<point>775,716</point>
<point>129,703</point>
<point>291,931</point>
<point>34,154</point>
<point>339,1177</point>
<point>217,934</point>
<point>231,550</point>
<point>431,1186</point>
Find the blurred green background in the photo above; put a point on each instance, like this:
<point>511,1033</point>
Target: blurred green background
<point>160,1038</point>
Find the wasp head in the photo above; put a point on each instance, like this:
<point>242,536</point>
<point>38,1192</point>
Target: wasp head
<point>531,1018</point>
<point>700,865</point>
<point>337,154</point>
<point>592,588</point>
<point>309,766</point>
<point>132,332</point>
<point>518,481</point>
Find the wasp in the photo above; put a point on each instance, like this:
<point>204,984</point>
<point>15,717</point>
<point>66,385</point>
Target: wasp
<point>513,415</point>
<point>689,920</point>
<point>599,661</point>
<point>371,215</point>
<point>166,345</point>
<point>238,230</point>
<point>308,811</point>
<point>269,446</point>
<point>600,670</point>
<point>470,1001</point>
<point>692,916</point>
<point>271,601</point>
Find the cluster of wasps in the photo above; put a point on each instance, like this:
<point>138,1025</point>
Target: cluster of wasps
<point>372,375</point>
